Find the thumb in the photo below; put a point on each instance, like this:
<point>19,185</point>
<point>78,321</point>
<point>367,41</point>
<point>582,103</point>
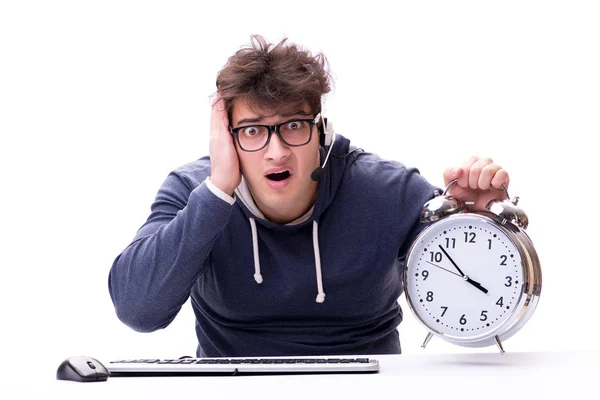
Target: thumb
<point>451,174</point>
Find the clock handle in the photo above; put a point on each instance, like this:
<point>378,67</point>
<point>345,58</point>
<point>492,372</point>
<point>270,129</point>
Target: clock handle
<point>515,200</point>
<point>440,206</point>
<point>452,182</point>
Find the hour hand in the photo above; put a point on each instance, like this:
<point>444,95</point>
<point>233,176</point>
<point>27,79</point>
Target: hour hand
<point>476,284</point>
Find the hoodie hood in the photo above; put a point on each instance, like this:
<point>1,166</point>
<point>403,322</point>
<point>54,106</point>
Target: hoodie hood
<point>329,182</point>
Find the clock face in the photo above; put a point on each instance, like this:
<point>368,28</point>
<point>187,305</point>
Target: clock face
<point>464,277</point>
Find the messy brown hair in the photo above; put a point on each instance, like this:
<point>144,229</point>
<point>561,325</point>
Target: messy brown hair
<point>274,78</point>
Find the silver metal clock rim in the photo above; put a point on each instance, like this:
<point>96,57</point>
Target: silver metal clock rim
<point>528,297</point>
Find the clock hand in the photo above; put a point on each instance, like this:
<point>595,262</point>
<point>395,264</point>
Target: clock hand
<point>465,277</point>
<point>451,260</point>
<point>476,284</point>
<point>447,270</point>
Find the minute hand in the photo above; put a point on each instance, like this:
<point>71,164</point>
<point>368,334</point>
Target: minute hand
<point>451,260</point>
<point>471,281</point>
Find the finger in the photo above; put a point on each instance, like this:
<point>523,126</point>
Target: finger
<point>219,120</point>
<point>451,173</point>
<point>219,105</point>
<point>487,174</point>
<point>475,172</point>
<point>500,178</point>
<point>214,124</point>
<point>463,181</point>
<point>216,99</point>
<point>219,108</point>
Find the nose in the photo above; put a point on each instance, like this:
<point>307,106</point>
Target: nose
<point>276,149</point>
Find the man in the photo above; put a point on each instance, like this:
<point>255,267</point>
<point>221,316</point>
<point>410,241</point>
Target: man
<point>288,239</point>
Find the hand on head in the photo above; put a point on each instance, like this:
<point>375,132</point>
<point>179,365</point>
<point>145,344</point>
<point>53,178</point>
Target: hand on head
<point>479,180</point>
<point>225,166</point>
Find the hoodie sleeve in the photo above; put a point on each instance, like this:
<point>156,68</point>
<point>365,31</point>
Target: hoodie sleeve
<point>416,192</point>
<point>152,278</point>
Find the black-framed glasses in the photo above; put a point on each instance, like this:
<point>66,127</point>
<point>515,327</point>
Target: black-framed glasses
<point>295,132</point>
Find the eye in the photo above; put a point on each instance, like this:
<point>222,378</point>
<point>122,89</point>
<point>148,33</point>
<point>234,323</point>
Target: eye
<point>294,125</point>
<point>251,130</point>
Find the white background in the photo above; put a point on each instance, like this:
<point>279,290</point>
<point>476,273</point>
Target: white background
<point>99,101</point>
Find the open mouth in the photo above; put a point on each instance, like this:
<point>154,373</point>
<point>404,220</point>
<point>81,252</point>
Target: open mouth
<point>279,176</point>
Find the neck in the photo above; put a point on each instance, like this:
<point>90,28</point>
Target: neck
<point>293,209</point>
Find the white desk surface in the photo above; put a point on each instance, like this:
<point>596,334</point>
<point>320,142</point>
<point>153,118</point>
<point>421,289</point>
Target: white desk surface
<point>442,376</point>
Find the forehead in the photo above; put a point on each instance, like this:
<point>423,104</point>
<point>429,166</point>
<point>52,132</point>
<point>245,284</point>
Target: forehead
<point>241,109</point>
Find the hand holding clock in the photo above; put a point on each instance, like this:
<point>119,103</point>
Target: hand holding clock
<point>479,180</point>
<point>498,248</point>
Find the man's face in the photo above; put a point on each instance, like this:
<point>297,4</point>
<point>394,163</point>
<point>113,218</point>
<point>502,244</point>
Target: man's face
<point>281,196</point>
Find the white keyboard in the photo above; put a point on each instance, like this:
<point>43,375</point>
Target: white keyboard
<point>240,366</point>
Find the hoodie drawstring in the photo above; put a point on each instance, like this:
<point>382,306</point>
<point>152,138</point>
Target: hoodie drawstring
<point>257,275</point>
<point>321,293</point>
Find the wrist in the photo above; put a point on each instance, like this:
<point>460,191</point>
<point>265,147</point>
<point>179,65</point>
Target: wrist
<point>221,185</point>
<point>219,193</point>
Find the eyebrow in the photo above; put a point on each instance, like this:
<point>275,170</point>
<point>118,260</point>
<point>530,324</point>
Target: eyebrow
<point>259,119</point>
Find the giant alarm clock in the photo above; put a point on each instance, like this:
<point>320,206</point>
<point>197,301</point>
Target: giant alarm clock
<point>472,278</point>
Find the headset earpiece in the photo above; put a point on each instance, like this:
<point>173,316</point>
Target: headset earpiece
<point>326,139</point>
<point>325,132</point>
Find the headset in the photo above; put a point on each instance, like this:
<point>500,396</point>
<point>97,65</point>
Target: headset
<point>326,139</point>
<point>326,134</point>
